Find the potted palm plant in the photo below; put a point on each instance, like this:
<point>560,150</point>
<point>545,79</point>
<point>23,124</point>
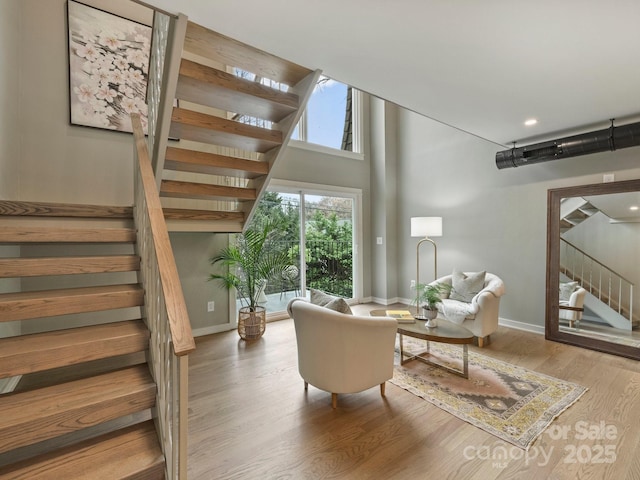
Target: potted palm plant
<point>250,262</point>
<point>427,298</point>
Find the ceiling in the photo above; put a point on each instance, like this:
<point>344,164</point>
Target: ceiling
<point>617,206</point>
<point>481,66</point>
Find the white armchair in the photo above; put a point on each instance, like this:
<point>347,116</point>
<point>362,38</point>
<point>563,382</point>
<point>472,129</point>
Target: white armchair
<point>480,316</point>
<point>342,353</point>
<point>572,309</point>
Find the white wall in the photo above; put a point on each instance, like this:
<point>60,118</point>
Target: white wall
<point>192,252</point>
<point>493,219</point>
<point>60,162</point>
<point>9,98</point>
<point>383,161</point>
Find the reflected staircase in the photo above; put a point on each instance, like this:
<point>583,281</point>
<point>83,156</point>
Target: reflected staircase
<point>603,283</point>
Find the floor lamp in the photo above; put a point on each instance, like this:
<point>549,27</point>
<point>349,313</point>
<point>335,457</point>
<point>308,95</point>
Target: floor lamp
<point>426,227</point>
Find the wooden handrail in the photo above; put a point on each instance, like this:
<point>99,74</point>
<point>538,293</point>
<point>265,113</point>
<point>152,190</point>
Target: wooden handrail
<point>181,334</point>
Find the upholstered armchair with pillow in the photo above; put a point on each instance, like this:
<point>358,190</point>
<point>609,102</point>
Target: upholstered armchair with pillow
<point>340,352</point>
<point>571,302</point>
<point>473,302</point>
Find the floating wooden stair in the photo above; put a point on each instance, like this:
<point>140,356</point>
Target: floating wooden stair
<point>33,416</point>
<point>43,351</point>
<point>235,108</point>
<point>47,303</point>
<point>84,393</point>
<point>129,453</point>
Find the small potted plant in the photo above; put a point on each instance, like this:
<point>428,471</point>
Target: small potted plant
<point>427,298</point>
<point>250,262</point>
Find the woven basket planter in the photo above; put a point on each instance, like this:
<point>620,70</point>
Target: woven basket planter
<point>252,322</point>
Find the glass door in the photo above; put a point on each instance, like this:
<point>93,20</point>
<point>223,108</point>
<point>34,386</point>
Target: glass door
<point>328,244</point>
<point>319,235</point>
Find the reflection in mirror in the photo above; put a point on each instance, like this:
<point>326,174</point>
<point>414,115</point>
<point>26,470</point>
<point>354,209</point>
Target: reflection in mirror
<point>594,267</point>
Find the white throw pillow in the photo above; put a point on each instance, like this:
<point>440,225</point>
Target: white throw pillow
<point>331,302</point>
<point>466,286</point>
<point>566,289</point>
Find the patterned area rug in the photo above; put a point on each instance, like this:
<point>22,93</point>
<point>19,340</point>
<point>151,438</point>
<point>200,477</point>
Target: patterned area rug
<point>510,402</point>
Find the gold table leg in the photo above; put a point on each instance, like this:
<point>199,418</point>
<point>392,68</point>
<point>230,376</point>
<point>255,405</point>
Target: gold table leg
<point>421,357</point>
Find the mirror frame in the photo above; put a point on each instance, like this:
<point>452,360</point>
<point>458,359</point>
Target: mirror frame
<point>552,330</point>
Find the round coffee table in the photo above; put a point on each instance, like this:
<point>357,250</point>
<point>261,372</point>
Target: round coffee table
<point>444,332</point>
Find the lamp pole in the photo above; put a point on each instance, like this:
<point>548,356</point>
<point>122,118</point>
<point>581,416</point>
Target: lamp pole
<point>435,266</point>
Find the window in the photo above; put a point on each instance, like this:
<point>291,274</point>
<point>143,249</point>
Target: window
<point>319,230</point>
<point>331,118</point>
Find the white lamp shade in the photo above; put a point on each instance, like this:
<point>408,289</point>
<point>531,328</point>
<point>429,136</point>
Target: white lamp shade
<point>426,226</point>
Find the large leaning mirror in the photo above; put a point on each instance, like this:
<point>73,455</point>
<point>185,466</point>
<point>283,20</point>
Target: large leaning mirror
<point>593,267</point>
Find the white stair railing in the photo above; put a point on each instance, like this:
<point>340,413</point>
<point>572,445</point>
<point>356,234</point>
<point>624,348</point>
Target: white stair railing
<point>599,280</point>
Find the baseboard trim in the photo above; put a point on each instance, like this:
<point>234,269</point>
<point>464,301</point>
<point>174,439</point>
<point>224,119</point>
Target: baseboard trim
<point>201,332</point>
<point>385,301</point>
<point>527,327</point>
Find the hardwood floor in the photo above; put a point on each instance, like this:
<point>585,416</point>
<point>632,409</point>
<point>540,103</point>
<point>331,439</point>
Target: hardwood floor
<point>250,418</point>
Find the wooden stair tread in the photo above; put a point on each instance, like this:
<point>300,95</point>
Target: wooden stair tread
<point>43,351</point>
<point>38,266</point>
<point>36,415</point>
<point>44,209</point>
<point>184,160</point>
<point>208,215</point>
<point>204,128</point>
<point>208,86</point>
<point>214,46</point>
<point>20,234</point>
<point>174,188</point>
<point>132,453</point>
<point>48,303</point>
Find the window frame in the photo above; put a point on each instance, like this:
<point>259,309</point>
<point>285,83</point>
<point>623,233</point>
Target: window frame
<point>357,132</point>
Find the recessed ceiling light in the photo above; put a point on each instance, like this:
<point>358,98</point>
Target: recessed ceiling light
<point>530,122</point>
<point>634,208</point>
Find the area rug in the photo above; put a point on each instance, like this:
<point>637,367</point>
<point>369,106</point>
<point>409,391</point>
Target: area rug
<point>510,402</point>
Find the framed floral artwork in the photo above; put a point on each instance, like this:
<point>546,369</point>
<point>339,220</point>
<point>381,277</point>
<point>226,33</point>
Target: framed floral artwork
<point>108,68</point>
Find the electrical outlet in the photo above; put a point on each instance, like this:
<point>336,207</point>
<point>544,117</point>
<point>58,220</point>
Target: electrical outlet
<point>608,177</point>
<point>379,240</point>
<point>211,306</point>
<point>413,284</point>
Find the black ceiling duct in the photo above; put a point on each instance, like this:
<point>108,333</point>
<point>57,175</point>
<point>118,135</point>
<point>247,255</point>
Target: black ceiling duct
<point>609,139</point>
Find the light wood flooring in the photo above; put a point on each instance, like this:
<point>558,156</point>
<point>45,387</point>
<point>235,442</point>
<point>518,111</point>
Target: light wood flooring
<point>250,418</point>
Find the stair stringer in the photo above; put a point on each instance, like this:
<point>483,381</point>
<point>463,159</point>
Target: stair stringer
<point>170,73</point>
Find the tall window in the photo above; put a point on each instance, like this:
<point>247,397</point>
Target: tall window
<point>331,117</point>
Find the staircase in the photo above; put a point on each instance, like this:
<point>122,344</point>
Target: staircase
<point>83,403</point>
<point>574,211</point>
<point>606,286</point>
<point>612,293</point>
<point>219,136</point>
